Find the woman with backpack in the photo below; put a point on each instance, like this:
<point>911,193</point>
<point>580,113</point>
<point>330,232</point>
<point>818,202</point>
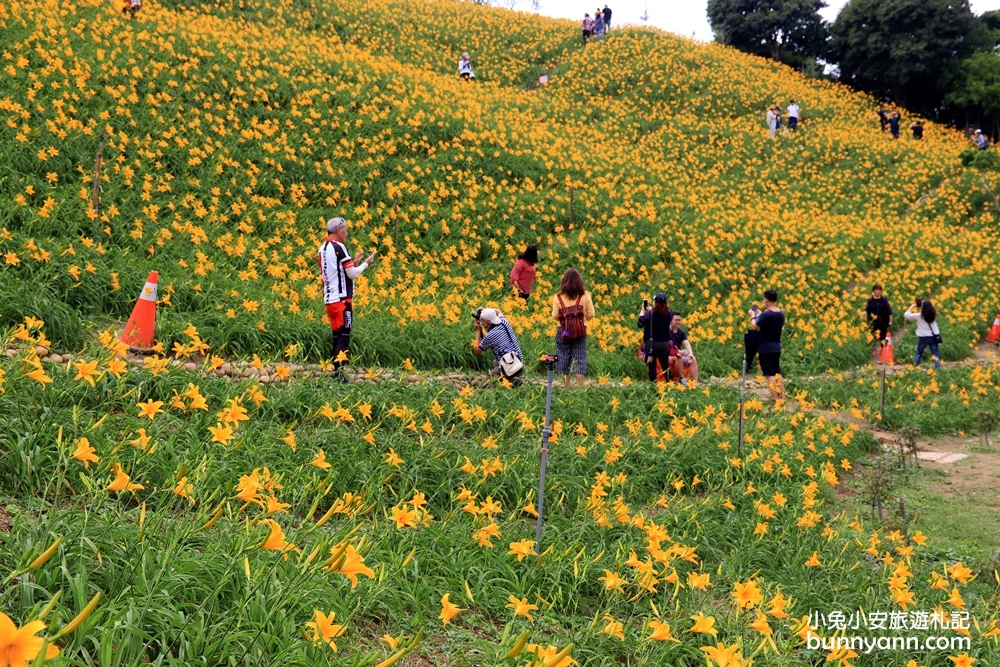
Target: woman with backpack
<point>572,308</point>
<point>655,323</point>
<point>522,276</point>
<point>928,332</point>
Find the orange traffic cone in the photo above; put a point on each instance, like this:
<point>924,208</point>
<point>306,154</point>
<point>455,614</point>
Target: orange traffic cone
<point>994,334</point>
<point>886,357</point>
<point>141,326</point>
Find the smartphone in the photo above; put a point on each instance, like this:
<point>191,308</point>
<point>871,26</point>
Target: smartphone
<point>754,308</point>
<point>645,304</point>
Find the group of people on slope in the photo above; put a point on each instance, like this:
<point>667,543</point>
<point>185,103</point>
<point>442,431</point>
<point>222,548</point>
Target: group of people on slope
<point>773,117</point>
<point>597,26</point>
<point>666,347</point>
<point>891,119</point>
<point>572,309</point>
<point>879,314</point>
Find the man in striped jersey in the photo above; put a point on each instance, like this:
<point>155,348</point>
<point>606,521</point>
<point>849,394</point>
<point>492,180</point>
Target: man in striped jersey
<point>339,270</point>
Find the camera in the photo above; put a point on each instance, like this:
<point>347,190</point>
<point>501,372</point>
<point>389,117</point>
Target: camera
<point>476,315</point>
<point>548,359</point>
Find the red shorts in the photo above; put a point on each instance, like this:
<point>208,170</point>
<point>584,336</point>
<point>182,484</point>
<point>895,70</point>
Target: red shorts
<point>339,314</point>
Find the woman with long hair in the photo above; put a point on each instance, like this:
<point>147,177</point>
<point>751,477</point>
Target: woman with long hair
<point>522,276</point>
<point>655,323</point>
<point>928,332</point>
<point>572,308</point>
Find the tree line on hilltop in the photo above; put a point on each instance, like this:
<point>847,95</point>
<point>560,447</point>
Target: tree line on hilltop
<point>935,57</point>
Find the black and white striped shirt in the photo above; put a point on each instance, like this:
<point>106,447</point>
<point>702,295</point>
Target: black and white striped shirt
<point>334,260</point>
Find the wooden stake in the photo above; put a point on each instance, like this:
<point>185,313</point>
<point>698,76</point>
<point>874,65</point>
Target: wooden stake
<point>95,203</point>
<point>395,221</point>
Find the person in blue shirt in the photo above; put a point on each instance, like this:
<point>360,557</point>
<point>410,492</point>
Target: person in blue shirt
<point>769,322</point>
<point>494,333</point>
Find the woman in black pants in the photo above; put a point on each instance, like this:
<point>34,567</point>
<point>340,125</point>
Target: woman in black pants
<point>655,323</point>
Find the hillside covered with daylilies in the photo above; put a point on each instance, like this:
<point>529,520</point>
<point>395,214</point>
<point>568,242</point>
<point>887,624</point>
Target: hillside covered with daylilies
<point>159,510</point>
<point>234,129</point>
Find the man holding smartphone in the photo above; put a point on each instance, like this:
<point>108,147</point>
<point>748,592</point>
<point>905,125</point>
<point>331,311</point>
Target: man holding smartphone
<point>338,270</point>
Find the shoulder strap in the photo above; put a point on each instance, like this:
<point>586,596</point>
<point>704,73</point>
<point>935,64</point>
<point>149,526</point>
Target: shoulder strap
<point>561,304</point>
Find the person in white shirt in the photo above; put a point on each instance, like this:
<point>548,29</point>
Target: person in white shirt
<point>928,332</point>
<point>793,115</point>
<point>465,68</point>
<point>338,271</point>
<point>772,120</point>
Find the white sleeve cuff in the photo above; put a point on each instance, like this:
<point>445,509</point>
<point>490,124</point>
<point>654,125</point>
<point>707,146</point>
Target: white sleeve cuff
<point>355,271</point>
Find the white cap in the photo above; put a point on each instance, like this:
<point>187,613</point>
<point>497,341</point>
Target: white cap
<point>465,55</point>
<point>978,132</point>
<point>490,315</point>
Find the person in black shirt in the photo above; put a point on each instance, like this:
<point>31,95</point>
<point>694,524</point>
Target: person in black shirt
<point>918,130</point>
<point>894,124</point>
<point>879,313</point>
<point>607,18</point>
<point>883,118</point>
<point>769,322</point>
<point>655,323</point>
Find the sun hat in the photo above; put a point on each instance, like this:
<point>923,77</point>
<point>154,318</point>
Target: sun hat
<point>490,315</point>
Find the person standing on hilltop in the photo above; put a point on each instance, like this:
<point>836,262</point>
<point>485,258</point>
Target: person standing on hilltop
<point>588,27</point>
<point>599,25</point>
<point>772,120</point>
<point>465,68</point>
<point>883,118</point>
<point>894,125</point>
<point>794,111</point>
<point>522,276</point>
<point>607,18</point>
<point>338,271</point>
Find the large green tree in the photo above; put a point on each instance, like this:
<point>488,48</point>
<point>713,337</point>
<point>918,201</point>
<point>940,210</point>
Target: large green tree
<point>791,31</point>
<point>902,49</point>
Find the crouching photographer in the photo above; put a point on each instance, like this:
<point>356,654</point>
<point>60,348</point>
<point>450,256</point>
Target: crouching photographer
<point>494,333</point>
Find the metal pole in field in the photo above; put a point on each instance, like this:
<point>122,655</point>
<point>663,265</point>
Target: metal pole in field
<point>545,460</point>
<point>95,203</point>
<point>743,393</point>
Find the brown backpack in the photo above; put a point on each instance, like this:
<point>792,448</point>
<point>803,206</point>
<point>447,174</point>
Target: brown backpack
<point>571,320</point>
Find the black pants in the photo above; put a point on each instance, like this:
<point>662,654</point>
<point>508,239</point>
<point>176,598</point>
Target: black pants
<point>342,338</point>
<point>880,329</point>
<point>660,350</point>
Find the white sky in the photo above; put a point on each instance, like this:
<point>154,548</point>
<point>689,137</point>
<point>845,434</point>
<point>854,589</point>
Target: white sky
<point>686,17</point>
